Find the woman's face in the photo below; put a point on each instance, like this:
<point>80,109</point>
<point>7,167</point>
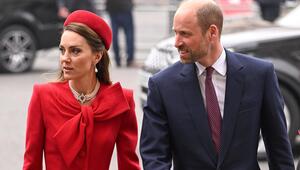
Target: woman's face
<point>76,56</point>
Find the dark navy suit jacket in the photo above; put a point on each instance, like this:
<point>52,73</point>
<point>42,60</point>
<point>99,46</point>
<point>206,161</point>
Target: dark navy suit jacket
<point>175,125</point>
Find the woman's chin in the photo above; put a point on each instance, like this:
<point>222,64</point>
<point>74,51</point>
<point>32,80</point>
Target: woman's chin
<point>67,77</point>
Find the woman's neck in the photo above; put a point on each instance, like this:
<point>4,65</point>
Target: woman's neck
<point>84,86</point>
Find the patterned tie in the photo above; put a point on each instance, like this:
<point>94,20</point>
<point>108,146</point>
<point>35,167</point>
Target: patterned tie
<point>213,110</point>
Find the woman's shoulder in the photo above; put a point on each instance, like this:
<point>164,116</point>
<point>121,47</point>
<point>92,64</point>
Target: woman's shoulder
<point>49,86</point>
<point>117,89</point>
<point>127,92</point>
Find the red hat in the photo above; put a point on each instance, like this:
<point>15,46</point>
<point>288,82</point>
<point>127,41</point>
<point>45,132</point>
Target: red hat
<point>94,22</point>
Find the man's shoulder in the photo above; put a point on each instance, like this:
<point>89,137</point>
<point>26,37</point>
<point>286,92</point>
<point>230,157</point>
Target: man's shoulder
<point>169,72</point>
<point>249,61</point>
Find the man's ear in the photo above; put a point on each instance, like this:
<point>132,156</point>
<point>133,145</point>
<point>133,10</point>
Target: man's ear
<point>213,32</point>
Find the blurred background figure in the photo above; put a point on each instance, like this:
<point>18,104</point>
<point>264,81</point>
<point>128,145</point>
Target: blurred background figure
<point>291,3</point>
<point>67,6</point>
<point>270,9</point>
<point>120,13</point>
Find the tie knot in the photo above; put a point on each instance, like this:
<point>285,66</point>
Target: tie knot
<point>209,71</point>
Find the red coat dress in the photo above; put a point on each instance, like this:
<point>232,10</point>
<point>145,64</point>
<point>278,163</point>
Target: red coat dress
<point>79,137</point>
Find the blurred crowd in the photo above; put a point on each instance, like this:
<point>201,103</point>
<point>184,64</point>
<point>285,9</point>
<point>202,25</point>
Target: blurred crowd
<point>121,17</point>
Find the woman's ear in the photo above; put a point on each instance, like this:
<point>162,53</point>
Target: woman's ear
<point>98,56</point>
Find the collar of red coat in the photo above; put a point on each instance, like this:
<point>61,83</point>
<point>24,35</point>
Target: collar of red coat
<point>76,133</point>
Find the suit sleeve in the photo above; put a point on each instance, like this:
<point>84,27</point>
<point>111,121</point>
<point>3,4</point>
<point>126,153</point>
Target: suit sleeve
<point>35,131</point>
<point>155,143</point>
<point>274,129</point>
<point>127,138</point>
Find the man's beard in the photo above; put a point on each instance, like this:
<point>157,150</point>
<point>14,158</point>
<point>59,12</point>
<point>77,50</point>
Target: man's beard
<point>193,57</point>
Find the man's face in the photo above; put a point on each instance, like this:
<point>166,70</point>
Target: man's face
<point>190,41</point>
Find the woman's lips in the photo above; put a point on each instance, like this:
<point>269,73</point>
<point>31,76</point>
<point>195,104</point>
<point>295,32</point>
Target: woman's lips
<point>67,68</point>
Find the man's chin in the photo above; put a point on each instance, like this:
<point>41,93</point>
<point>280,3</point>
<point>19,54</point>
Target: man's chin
<point>184,61</point>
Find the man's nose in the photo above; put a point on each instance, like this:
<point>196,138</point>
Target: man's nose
<point>178,41</point>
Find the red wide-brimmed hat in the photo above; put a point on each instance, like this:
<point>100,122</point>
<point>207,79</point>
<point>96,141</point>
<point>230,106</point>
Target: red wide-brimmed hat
<point>93,21</point>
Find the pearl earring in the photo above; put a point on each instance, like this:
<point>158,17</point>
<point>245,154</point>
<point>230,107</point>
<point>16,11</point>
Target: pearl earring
<point>96,70</point>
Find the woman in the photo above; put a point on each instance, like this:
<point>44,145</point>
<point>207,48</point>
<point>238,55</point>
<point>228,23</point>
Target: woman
<point>77,120</point>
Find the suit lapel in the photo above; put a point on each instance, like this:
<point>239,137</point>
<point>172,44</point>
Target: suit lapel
<point>194,102</point>
<point>233,94</point>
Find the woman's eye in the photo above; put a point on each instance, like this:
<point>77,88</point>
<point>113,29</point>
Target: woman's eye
<point>62,50</point>
<point>76,51</point>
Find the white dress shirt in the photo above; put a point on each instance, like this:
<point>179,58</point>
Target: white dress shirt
<point>218,79</point>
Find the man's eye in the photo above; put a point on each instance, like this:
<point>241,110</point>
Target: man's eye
<point>184,33</point>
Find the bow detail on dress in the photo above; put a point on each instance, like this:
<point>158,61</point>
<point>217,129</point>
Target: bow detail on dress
<point>75,135</point>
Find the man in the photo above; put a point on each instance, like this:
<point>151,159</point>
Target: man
<point>206,111</point>
<point>120,13</point>
<point>65,7</point>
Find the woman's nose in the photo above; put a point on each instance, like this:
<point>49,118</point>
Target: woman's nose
<point>65,57</point>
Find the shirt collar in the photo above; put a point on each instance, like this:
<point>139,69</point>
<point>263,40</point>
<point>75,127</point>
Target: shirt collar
<point>220,65</point>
